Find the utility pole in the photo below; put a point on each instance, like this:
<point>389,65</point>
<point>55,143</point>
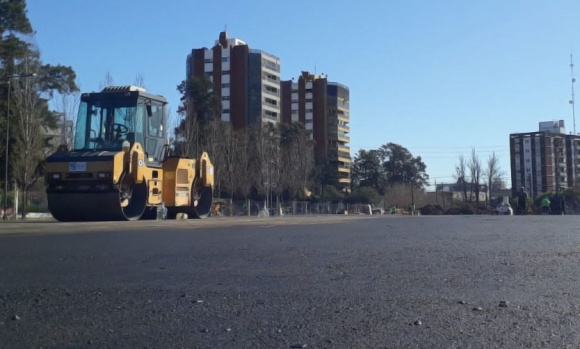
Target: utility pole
<point>572,100</point>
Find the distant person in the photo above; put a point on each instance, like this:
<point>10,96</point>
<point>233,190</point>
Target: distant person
<point>563,204</point>
<point>394,209</point>
<point>522,200</point>
<point>545,203</point>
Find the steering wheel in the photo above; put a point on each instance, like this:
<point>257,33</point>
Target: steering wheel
<point>120,129</point>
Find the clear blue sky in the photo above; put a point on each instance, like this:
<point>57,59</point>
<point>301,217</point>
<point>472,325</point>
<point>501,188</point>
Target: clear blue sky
<point>437,77</point>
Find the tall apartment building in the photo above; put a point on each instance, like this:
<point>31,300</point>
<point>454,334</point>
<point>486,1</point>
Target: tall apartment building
<point>544,161</point>
<point>323,108</point>
<point>246,80</point>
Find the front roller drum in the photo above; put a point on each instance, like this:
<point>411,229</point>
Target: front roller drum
<point>127,204</point>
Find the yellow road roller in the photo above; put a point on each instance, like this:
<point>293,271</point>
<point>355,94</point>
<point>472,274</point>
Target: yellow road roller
<point>121,167</point>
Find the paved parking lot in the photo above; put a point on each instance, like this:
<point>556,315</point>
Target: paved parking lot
<point>324,282</point>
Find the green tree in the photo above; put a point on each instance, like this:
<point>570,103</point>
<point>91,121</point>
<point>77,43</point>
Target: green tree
<point>29,113</point>
<point>364,195</point>
<point>368,171</point>
<point>199,106</point>
<point>14,26</point>
<point>401,167</point>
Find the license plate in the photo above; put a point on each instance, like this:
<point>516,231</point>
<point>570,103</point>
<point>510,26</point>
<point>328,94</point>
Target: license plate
<point>77,166</point>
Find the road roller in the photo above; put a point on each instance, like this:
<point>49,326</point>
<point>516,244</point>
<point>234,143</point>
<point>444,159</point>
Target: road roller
<point>120,166</point>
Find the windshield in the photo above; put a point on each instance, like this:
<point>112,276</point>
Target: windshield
<point>104,125</point>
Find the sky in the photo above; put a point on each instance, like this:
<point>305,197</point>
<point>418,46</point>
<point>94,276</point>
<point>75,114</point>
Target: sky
<point>439,78</point>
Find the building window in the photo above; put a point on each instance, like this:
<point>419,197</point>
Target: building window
<point>225,98</point>
<point>271,101</point>
<point>208,60</point>
<point>225,59</point>
<point>226,72</point>
<point>269,64</point>
<point>225,85</point>
<point>225,111</point>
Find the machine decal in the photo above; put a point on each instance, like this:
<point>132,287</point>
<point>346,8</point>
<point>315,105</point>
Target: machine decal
<point>140,162</point>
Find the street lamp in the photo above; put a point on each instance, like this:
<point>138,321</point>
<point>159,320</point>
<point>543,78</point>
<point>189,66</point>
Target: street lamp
<point>8,138</point>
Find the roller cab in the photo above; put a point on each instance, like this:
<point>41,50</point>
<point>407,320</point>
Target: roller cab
<point>118,168</point>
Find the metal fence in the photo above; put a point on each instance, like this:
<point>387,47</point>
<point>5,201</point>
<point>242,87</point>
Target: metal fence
<point>240,208</point>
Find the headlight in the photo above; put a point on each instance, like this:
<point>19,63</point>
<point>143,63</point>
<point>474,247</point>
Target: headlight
<point>56,176</point>
<point>103,175</point>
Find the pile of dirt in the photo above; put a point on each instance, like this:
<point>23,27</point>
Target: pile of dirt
<point>429,210</point>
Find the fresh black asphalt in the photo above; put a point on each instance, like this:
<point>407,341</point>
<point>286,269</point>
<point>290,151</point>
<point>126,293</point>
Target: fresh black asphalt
<point>313,282</point>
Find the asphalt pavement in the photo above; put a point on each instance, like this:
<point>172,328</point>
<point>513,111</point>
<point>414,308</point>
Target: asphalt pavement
<point>293,282</point>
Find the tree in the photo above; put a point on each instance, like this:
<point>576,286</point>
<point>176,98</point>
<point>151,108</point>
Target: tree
<point>474,166</point>
<point>460,173</point>
<point>264,143</point>
<point>368,171</point>
<point>401,167</point>
<point>28,108</point>
<point>14,26</point>
<point>364,195</point>
<point>107,81</point>
<point>492,173</point>
<point>199,105</point>
<point>33,120</point>
<point>139,81</point>
<point>243,166</point>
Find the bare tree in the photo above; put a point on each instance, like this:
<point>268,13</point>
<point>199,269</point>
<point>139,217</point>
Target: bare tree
<point>460,173</point>
<point>492,173</point>
<point>30,140</point>
<point>227,158</point>
<point>139,81</point>
<point>66,105</point>
<point>243,165</point>
<point>297,159</point>
<point>262,141</point>
<point>186,134</point>
<point>107,81</point>
<point>474,166</point>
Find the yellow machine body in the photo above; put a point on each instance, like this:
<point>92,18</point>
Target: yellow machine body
<point>119,168</point>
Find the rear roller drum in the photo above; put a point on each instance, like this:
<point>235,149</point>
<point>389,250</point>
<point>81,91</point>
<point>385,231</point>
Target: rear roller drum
<point>200,207</point>
<point>202,202</point>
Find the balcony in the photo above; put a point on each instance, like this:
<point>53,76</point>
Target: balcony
<point>344,180</point>
<point>343,168</point>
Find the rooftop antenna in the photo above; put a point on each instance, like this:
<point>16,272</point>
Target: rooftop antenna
<point>572,100</point>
